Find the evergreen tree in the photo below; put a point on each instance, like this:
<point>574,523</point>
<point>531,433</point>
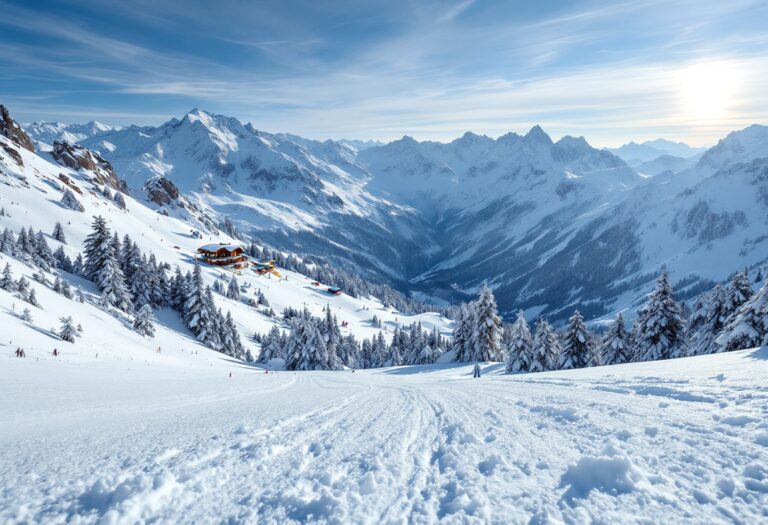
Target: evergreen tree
<point>6,279</point>
<point>32,298</point>
<point>110,281</point>
<point>63,261</point>
<point>616,348</point>
<point>659,328</point>
<point>749,326</point>
<point>158,283</point>
<point>58,233</point>
<point>575,351</point>
<point>426,356</point>
<point>462,334</point>
<point>68,331</point>
<point>43,256</point>
<point>197,309</point>
<point>22,285</point>
<point>233,290</point>
<point>306,349</point>
<point>546,347</point>
<point>520,347</point>
<point>739,291</point>
<point>713,318</point>
<point>26,315</point>
<point>97,249</point>
<point>349,352</point>
<point>487,326</point>
<point>271,346</point>
<point>139,284</point>
<point>144,321</point>
<point>68,200</point>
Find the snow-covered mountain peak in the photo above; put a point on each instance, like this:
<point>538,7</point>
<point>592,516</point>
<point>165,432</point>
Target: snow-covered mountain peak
<point>738,146</point>
<point>537,134</point>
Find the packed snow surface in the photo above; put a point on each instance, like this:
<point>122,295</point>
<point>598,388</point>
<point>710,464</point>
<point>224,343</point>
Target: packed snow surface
<point>171,437</point>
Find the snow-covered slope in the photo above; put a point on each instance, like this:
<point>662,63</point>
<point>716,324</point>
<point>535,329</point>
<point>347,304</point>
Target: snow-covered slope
<point>550,225</point>
<point>32,188</point>
<point>174,438</point>
<point>45,133</point>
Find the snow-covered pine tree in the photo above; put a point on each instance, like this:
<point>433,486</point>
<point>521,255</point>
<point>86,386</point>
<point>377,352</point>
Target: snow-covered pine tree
<point>68,331</point>
<point>575,352</point>
<point>32,298</point>
<point>158,283</point>
<point>462,334</point>
<point>139,283</point>
<point>68,200</point>
<point>43,255</point>
<point>63,261</point>
<point>218,287</point>
<point>197,309</point>
<point>349,351</point>
<point>714,315</point>
<point>97,248</point>
<point>6,279</point>
<point>659,328</point>
<point>22,286</point>
<point>58,233</point>
<point>615,347</point>
<point>739,292</point>
<point>26,315</point>
<point>110,281</point>
<point>144,321</point>
<point>546,347</point>
<point>306,348</point>
<point>271,345</point>
<point>749,326</point>
<point>233,289</point>
<point>520,347</point>
<point>488,328</point>
<point>426,356</point>
<point>367,359</point>
<point>230,338</point>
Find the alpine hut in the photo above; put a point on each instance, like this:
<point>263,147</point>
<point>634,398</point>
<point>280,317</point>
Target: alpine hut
<point>223,255</point>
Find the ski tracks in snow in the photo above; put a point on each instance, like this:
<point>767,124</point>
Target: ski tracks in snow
<point>373,447</point>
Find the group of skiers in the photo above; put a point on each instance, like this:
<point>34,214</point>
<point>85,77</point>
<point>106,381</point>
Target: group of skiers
<point>21,353</point>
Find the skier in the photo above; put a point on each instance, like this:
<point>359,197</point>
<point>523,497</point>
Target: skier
<point>476,371</point>
<point>55,352</point>
<point>230,374</point>
<point>18,352</point>
<point>158,350</point>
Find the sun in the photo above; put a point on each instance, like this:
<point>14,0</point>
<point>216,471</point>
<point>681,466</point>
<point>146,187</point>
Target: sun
<point>708,90</point>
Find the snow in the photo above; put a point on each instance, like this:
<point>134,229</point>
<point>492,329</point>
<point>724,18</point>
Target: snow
<point>172,437</point>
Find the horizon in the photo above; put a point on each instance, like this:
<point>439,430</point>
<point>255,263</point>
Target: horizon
<point>610,73</point>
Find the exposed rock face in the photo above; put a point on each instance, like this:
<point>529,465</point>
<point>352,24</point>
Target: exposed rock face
<point>12,131</point>
<point>13,153</point>
<point>80,158</point>
<point>161,191</point>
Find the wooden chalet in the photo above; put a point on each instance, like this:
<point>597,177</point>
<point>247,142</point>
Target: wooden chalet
<point>223,255</point>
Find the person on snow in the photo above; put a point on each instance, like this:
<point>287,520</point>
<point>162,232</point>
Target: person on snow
<point>55,352</point>
<point>476,371</point>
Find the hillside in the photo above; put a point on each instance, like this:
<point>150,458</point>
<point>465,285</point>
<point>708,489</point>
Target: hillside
<point>157,438</point>
<point>31,197</point>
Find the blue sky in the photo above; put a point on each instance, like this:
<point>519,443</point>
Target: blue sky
<point>610,71</point>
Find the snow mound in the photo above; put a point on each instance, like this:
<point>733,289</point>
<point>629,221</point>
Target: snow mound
<point>610,475</point>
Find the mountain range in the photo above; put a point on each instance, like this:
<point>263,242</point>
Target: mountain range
<point>549,225</point>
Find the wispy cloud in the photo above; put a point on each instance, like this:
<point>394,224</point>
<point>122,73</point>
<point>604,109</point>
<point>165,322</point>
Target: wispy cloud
<point>606,71</point>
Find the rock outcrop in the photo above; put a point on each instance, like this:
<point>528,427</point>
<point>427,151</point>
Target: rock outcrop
<point>12,131</point>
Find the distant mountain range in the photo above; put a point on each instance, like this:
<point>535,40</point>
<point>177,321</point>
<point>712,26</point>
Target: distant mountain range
<point>551,226</point>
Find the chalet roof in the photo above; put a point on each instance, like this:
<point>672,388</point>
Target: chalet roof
<point>216,247</point>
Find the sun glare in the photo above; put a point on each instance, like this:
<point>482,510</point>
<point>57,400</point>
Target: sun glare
<point>708,90</point>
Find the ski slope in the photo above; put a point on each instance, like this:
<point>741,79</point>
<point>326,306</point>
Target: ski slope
<point>176,439</point>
